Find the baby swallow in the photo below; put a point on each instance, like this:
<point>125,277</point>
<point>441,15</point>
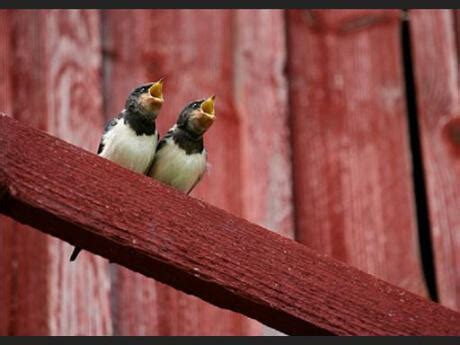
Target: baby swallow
<point>131,138</point>
<point>180,159</point>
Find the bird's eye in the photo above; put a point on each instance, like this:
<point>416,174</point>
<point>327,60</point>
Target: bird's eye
<point>195,105</point>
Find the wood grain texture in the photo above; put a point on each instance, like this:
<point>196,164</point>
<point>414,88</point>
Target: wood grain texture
<point>346,21</point>
<point>5,61</point>
<point>437,89</point>
<point>195,73</point>
<point>56,81</point>
<point>7,268</point>
<point>260,95</point>
<point>251,105</point>
<point>351,158</point>
<point>457,32</point>
<point>24,277</point>
<point>198,248</point>
<point>124,37</point>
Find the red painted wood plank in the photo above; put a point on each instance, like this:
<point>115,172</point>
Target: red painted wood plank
<point>24,293</point>
<point>124,39</point>
<point>5,61</point>
<point>231,70</point>
<point>437,87</point>
<point>163,313</point>
<point>196,247</point>
<point>261,104</point>
<point>457,31</point>
<point>193,73</point>
<point>56,87</point>
<point>7,268</point>
<point>344,21</point>
<point>352,171</point>
<point>7,272</point>
<point>260,93</point>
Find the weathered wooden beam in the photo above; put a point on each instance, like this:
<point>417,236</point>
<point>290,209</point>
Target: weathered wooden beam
<point>197,248</point>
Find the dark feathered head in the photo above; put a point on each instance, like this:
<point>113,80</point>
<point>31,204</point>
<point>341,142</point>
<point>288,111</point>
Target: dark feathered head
<point>197,116</point>
<point>146,99</point>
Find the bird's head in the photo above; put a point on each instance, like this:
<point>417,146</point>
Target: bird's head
<point>197,116</point>
<point>146,99</point>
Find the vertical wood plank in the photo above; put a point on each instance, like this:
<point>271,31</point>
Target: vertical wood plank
<point>5,61</point>
<point>124,38</point>
<point>261,99</point>
<point>24,277</point>
<point>8,274</point>
<point>457,32</point>
<point>352,171</point>
<point>437,90</point>
<point>7,268</point>
<point>200,58</point>
<point>56,87</point>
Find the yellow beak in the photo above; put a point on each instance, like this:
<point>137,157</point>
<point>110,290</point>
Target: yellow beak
<point>208,105</point>
<point>206,116</point>
<point>156,90</point>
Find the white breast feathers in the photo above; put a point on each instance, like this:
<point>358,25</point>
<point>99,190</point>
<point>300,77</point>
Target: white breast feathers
<point>174,167</point>
<point>124,147</point>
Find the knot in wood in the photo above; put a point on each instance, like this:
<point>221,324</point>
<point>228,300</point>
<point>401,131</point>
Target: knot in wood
<point>452,135</point>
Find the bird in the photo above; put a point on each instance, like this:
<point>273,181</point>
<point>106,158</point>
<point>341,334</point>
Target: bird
<point>181,159</point>
<point>130,139</point>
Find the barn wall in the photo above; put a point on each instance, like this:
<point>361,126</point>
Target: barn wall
<point>7,268</point>
<point>351,154</point>
<point>54,62</point>
<point>437,91</point>
<point>193,56</point>
<point>311,140</point>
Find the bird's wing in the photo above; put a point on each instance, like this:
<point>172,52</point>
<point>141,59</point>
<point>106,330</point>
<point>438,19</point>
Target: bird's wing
<point>198,179</point>
<point>162,142</point>
<point>109,125</point>
<point>147,171</point>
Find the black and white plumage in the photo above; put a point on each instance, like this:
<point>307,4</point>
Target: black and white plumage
<point>130,139</point>
<point>180,159</point>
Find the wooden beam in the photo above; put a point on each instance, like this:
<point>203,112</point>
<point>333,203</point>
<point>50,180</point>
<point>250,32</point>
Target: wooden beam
<point>198,248</point>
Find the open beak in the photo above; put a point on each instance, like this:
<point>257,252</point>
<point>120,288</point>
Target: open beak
<point>156,90</point>
<point>208,105</point>
<point>207,112</point>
